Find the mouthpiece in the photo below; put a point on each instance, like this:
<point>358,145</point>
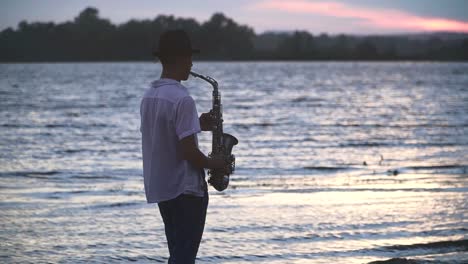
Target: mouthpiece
<point>194,74</point>
<point>206,78</point>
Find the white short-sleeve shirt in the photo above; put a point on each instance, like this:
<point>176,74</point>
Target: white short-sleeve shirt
<point>168,114</point>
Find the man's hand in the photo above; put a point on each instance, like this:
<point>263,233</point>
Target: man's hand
<point>216,163</point>
<point>193,155</point>
<point>220,165</point>
<point>206,122</point>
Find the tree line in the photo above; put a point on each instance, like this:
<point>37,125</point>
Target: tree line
<point>91,38</point>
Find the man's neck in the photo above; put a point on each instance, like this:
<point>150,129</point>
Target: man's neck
<point>169,75</point>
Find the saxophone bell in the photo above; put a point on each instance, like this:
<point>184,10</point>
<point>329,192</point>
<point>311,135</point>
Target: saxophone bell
<point>219,178</point>
<point>229,141</point>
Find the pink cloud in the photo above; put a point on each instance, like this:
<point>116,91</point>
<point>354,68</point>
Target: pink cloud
<point>382,18</point>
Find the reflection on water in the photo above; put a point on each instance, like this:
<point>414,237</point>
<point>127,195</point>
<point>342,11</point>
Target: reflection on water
<point>337,163</point>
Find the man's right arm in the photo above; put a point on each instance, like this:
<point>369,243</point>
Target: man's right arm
<point>193,155</point>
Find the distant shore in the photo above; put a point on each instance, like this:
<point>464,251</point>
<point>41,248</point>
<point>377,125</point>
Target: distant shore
<point>91,38</point>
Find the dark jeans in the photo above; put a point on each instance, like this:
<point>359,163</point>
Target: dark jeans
<point>184,221</point>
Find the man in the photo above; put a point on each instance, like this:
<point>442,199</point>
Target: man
<point>173,166</point>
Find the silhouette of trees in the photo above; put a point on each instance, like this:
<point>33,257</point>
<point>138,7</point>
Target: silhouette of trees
<point>91,38</point>
<point>464,50</point>
<point>300,45</point>
<point>222,38</point>
<point>366,50</point>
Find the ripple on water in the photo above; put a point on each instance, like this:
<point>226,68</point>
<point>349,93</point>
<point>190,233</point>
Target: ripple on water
<point>315,180</point>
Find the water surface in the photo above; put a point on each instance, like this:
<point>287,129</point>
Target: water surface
<point>337,163</point>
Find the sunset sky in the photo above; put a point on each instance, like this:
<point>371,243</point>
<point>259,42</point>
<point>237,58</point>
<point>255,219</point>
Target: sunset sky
<point>333,16</point>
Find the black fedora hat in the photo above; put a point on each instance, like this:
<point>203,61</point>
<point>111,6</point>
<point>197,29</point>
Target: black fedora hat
<point>174,42</point>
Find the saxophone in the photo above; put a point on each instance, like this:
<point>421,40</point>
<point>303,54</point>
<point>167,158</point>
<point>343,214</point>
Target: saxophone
<point>222,143</point>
